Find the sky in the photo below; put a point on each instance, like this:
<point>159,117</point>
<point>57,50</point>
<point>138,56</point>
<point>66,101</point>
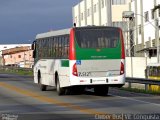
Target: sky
<point>21,20</point>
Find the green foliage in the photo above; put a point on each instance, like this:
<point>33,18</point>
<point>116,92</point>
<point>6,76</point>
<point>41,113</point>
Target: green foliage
<point>19,71</point>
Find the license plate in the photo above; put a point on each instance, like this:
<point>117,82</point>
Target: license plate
<point>84,74</point>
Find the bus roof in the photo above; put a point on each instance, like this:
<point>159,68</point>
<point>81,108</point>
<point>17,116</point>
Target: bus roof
<point>53,33</point>
<point>154,64</point>
<point>67,31</point>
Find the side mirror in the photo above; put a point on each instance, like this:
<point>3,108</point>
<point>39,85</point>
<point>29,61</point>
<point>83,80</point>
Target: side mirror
<point>33,45</point>
<point>34,54</point>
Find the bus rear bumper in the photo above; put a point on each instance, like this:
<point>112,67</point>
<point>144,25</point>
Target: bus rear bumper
<point>110,81</point>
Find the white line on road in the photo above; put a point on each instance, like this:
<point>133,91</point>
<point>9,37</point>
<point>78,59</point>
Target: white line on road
<point>136,100</point>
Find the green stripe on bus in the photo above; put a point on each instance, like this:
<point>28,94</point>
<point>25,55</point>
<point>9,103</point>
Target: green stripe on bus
<point>103,53</point>
<point>64,63</point>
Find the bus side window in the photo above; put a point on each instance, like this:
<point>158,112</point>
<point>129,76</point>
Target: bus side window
<point>63,42</point>
<point>60,47</point>
<point>40,48</point>
<point>47,47</point>
<point>56,47</point>
<point>51,47</point>
<point>66,46</point>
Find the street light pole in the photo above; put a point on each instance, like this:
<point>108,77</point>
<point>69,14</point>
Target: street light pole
<point>157,38</point>
<point>157,28</point>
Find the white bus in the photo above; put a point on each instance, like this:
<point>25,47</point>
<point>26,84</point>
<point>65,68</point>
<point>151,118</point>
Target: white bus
<point>76,58</point>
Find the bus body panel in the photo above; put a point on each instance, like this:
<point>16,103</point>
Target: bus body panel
<point>98,68</point>
<point>108,79</point>
<point>45,67</point>
<point>63,73</point>
<point>48,68</point>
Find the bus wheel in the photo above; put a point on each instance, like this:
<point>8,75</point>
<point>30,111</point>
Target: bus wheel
<point>101,90</point>
<point>42,87</point>
<point>60,91</point>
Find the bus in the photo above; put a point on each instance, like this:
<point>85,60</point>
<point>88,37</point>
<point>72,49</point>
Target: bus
<point>153,72</point>
<point>78,58</point>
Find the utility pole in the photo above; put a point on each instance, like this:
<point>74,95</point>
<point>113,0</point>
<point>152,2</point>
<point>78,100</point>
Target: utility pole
<point>157,27</point>
<point>142,26</point>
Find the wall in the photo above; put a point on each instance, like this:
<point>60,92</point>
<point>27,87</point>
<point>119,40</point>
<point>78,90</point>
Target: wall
<point>148,26</point>
<point>96,14</point>
<point>20,58</point>
<point>118,9</point>
<point>100,16</point>
<point>135,66</point>
<point>82,13</point>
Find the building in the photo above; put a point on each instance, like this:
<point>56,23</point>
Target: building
<point>97,12</point>
<point>144,42</point>
<point>19,57</point>
<point>8,46</point>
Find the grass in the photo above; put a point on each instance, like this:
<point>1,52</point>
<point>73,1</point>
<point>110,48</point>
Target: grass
<point>19,72</point>
<point>141,91</point>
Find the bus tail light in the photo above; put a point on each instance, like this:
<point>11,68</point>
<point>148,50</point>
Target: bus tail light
<point>74,70</point>
<point>122,45</point>
<point>72,52</point>
<point>122,68</point>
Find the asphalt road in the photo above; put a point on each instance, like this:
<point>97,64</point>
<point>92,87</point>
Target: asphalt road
<point>21,99</point>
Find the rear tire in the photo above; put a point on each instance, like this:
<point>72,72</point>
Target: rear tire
<point>101,90</point>
<point>42,87</point>
<point>60,91</point>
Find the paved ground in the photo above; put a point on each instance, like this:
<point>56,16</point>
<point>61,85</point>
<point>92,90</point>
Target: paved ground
<point>21,98</point>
